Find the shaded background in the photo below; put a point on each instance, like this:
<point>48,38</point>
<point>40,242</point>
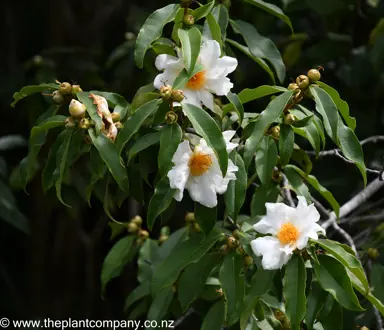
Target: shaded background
<point>53,269</point>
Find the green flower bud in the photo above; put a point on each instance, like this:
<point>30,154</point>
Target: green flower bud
<point>165,231</point>
<point>302,81</point>
<point>232,242</point>
<point>132,227</point>
<point>275,131</point>
<point>298,97</point>
<point>70,122</point>
<point>137,220</point>
<point>65,88</point>
<point>373,253</point>
<point>76,89</point>
<point>188,20</point>
<point>190,217</point>
<point>177,95</point>
<point>144,234</point>
<point>129,36</point>
<point>115,116</point>
<point>77,109</point>
<point>166,92</point>
<point>57,97</point>
<point>293,87</point>
<point>119,125</point>
<point>314,75</point>
<point>171,117</point>
<point>248,261</point>
<point>163,238</point>
<point>277,176</point>
<point>289,119</point>
<point>364,328</point>
<point>38,60</point>
<point>84,123</point>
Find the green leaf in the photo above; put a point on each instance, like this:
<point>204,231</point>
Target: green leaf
<point>142,143</point>
<point>187,252</point>
<point>132,125</point>
<point>333,278</point>
<point>327,109</point>
<point>297,183</point>
<point>190,44</point>
<point>160,201</point>
<point>205,126</point>
<point>98,169</point>
<point>110,155</point>
<point>268,116</point>
<point>137,294</point>
<point>235,195</point>
<point>164,46</point>
<point>84,97</point>
<point>300,157</point>
<point>351,148</point>
<point>261,196</point>
<point>152,30</point>
<point>294,291</point>
<point>315,303</point>
<point>323,191</point>
<point>266,158</point>
<point>347,259</point>
<point>205,217</point>
<point>305,121</point>
<point>147,260</point>
<point>342,106</point>
<point>377,280</point>
<point>221,15</point>
<point>29,90</point>
<point>160,304</point>
<point>260,284</point>
<point>335,316</point>
<point>120,254</point>
<point>236,103</point>
<point>215,317</point>
<point>286,144</point>
<point>170,139</point>
<point>214,29</point>
<point>144,95</point>
<point>232,284</point>
<point>197,274</point>
<point>273,10</point>
<point>203,11</point>
<point>260,46</point>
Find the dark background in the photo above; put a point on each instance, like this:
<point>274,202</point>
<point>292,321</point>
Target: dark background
<point>53,270</point>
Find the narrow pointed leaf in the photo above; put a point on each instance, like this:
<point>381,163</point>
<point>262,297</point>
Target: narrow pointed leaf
<point>266,158</point>
<point>190,45</point>
<point>143,143</point>
<point>29,90</point>
<point>315,303</point>
<point>237,105</point>
<point>91,109</point>
<point>215,317</point>
<point>170,138</point>
<point>286,144</point>
<point>212,28</point>
<point>160,305</point>
<point>206,217</point>
<point>203,11</point>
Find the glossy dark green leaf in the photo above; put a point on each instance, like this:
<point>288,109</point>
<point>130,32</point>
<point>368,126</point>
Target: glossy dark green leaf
<point>29,90</point>
<point>215,317</point>
<point>143,95</point>
<point>160,304</point>
<point>190,44</point>
<point>203,11</point>
<point>335,316</point>
<point>261,196</point>
<point>197,274</point>
<point>260,284</point>
<point>323,191</point>
<point>137,294</point>
<point>164,46</point>
<point>305,121</point>
<point>204,125</point>
<point>315,302</point>
<point>132,125</point>
<point>235,195</point>
<point>160,201</point>
<point>268,116</point>
<point>266,158</point>
<point>296,181</point>
<point>187,252</point>
<point>347,259</point>
<point>152,30</point>
<point>247,312</point>
<point>214,29</point>
<point>260,46</point>
<point>377,280</point>
<point>286,143</point>
<point>110,155</point>
<point>327,109</point>
<point>170,139</point>
<point>118,256</point>
<point>98,169</point>
<point>300,157</point>
<point>142,143</point>
<point>84,97</point>
<point>294,291</point>
<point>221,15</point>
<point>147,260</point>
<point>271,9</point>
<point>333,278</point>
<point>232,283</point>
<point>206,217</point>
<point>237,105</point>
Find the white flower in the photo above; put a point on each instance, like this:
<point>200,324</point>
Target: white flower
<point>291,228</point>
<point>212,79</point>
<point>199,172</point>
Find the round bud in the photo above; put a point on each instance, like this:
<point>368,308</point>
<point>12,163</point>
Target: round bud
<point>37,60</point>
<point>166,92</point>
<point>293,87</point>
<point>65,88</point>
<point>171,117</point>
<point>298,97</point>
<point>129,36</point>
<point>163,238</point>
<point>314,75</point>
<point>277,176</point>
<point>76,89</point>
<point>289,119</point>
<point>188,20</point>
<point>177,95</point>
<point>144,234</point>
<point>57,97</point>
<point>119,125</point>
<point>248,261</point>
<point>165,231</point>
<point>236,233</point>
<point>137,220</point>
<point>275,131</point>
<point>77,109</point>
<point>84,123</point>
<point>70,122</point>
<point>132,227</point>
<point>190,217</point>
<point>373,253</point>
<point>232,242</point>
<point>115,117</point>
<point>302,81</point>
<point>364,328</point>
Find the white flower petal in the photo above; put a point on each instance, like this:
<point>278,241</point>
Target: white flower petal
<point>209,53</point>
<point>207,99</point>
<point>166,78</point>
<point>202,190</point>
<point>178,177</point>
<point>274,257</point>
<point>264,226</point>
<point>228,63</point>
<point>191,97</point>
<point>179,194</point>
<point>221,184</point>
<point>182,154</point>
<point>165,61</point>
<point>219,86</point>
<point>228,135</point>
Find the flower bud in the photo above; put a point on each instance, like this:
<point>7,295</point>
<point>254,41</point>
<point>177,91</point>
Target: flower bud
<point>275,131</point>
<point>166,92</point>
<point>373,253</point>
<point>177,95</point>
<point>137,220</point>
<point>190,217</point>
<point>364,328</point>
<point>314,75</point>
<point>163,238</point>
<point>76,109</point>
<point>76,89</point>
<point>84,123</point>
<point>232,242</point>
<point>293,87</point>
<point>188,20</point>
<point>119,125</point>
<point>298,97</point>
<point>248,261</point>
<point>132,227</point>
<point>289,119</point>
<point>65,88</point>
<point>302,81</point>
<point>144,234</point>
<point>70,122</point>
<point>38,60</point>
<point>236,233</point>
<point>57,97</point>
<point>277,176</point>
<point>171,117</point>
<point>115,117</point>
<point>129,36</point>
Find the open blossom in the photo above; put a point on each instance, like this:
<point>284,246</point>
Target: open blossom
<point>291,228</point>
<point>199,172</point>
<point>199,88</point>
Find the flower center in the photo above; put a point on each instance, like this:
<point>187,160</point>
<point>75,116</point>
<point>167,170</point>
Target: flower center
<point>288,234</point>
<point>199,163</point>
<point>197,81</point>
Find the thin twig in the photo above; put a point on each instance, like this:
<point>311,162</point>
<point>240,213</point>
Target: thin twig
<point>183,317</point>
<point>363,218</point>
<point>286,192</point>
<point>321,208</point>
